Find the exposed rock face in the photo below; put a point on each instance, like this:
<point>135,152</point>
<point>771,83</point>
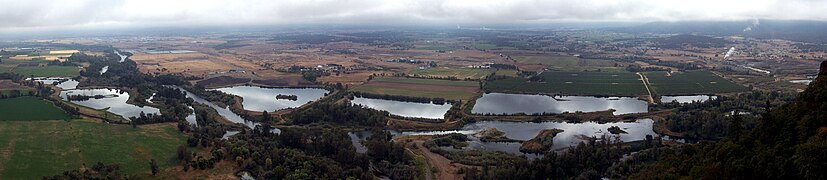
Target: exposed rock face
<point>541,143</point>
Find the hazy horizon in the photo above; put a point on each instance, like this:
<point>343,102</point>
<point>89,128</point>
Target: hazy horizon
<point>84,15</point>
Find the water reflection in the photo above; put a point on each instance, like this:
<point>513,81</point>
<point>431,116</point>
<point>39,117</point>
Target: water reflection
<point>357,137</point>
<point>405,109</point>
<point>502,103</point>
<point>62,83</point>
<point>113,99</point>
<point>104,69</point>
<point>687,99</point>
<point>191,117</point>
<point>573,133</point>
<point>123,57</point>
<point>264,99</point>
<point>229,134</point>
<point>224,112</point>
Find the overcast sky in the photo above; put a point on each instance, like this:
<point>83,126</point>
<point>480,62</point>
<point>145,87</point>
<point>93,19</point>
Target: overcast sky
<point>25,15</point>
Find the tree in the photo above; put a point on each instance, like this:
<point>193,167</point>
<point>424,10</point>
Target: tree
<point>265,116</point>
<point>735,125</point>
<point>153,166</point>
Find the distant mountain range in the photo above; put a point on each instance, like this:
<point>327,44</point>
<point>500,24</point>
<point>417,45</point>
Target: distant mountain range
<point>795,30</point>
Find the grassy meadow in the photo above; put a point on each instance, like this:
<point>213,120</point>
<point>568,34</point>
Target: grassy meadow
<point>574,83</point>
<point>28,108</point>
<point>459,73</point>
<point>690,82</point>
<point>47,71</point>
<point>430,88</point>
<point>569,63</point>
<point>32,149</point>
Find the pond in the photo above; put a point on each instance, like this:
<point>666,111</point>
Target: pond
<point>123,57</point>
<point>113,99</point>
<point>687,99</point>
<point>191,117</point>
<point>405,109</point>
<point>503,103</point>
<point>264,99</point>
<point>104,69</point>
<point>573,133</point>
<point>357,137</point>
<point>62,83</point>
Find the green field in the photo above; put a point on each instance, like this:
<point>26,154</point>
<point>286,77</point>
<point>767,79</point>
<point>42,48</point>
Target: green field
<point>691,82</point>
<point>569,63</point>
<point>430,88</point>
<point>28,108</point>
<point>403,80</point>
<point>32,149</point>
<point>505,72</point>
<point>48,71</point>
<point>574,83</point>
<point>459,73</point>
<point>22,91</point>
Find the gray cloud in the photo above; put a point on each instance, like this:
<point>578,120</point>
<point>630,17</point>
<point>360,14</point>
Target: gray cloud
<point>46,14</point>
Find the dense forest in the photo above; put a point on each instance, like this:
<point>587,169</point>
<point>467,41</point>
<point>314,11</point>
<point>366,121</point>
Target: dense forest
<point>711,119</point>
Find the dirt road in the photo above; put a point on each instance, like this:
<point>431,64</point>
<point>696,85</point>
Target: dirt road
<point>446,169</point>
<point>646,84</point>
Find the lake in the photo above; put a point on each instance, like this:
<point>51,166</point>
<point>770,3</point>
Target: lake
<point>503,103</point>
<point>405,109</point>
<point>224,112</point>
<point>687,99</point>
<point>115,100</point>
<point>573,133</point>
<point>264,99</point>
<point>62,83</point>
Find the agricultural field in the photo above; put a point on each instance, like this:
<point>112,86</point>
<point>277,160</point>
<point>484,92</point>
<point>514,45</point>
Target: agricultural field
<point>482,46</point>
<point>568,63</point>
<point>690,82</point>
<point>28,108</point>
<point>431,88</point>
<point>459,73</point>
<point>574,83</point>
<point>7,85</point>
<point>32,149</point>
<point>435,47</point>
<point>48,71</point>
<point>506,72</point>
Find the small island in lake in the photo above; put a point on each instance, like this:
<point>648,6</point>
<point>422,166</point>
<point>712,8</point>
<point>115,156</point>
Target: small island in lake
<point>541,143</point>
<point>616,130</point>
<point>493,135</point>
<point>87,97</point>
<point>287,97</point>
